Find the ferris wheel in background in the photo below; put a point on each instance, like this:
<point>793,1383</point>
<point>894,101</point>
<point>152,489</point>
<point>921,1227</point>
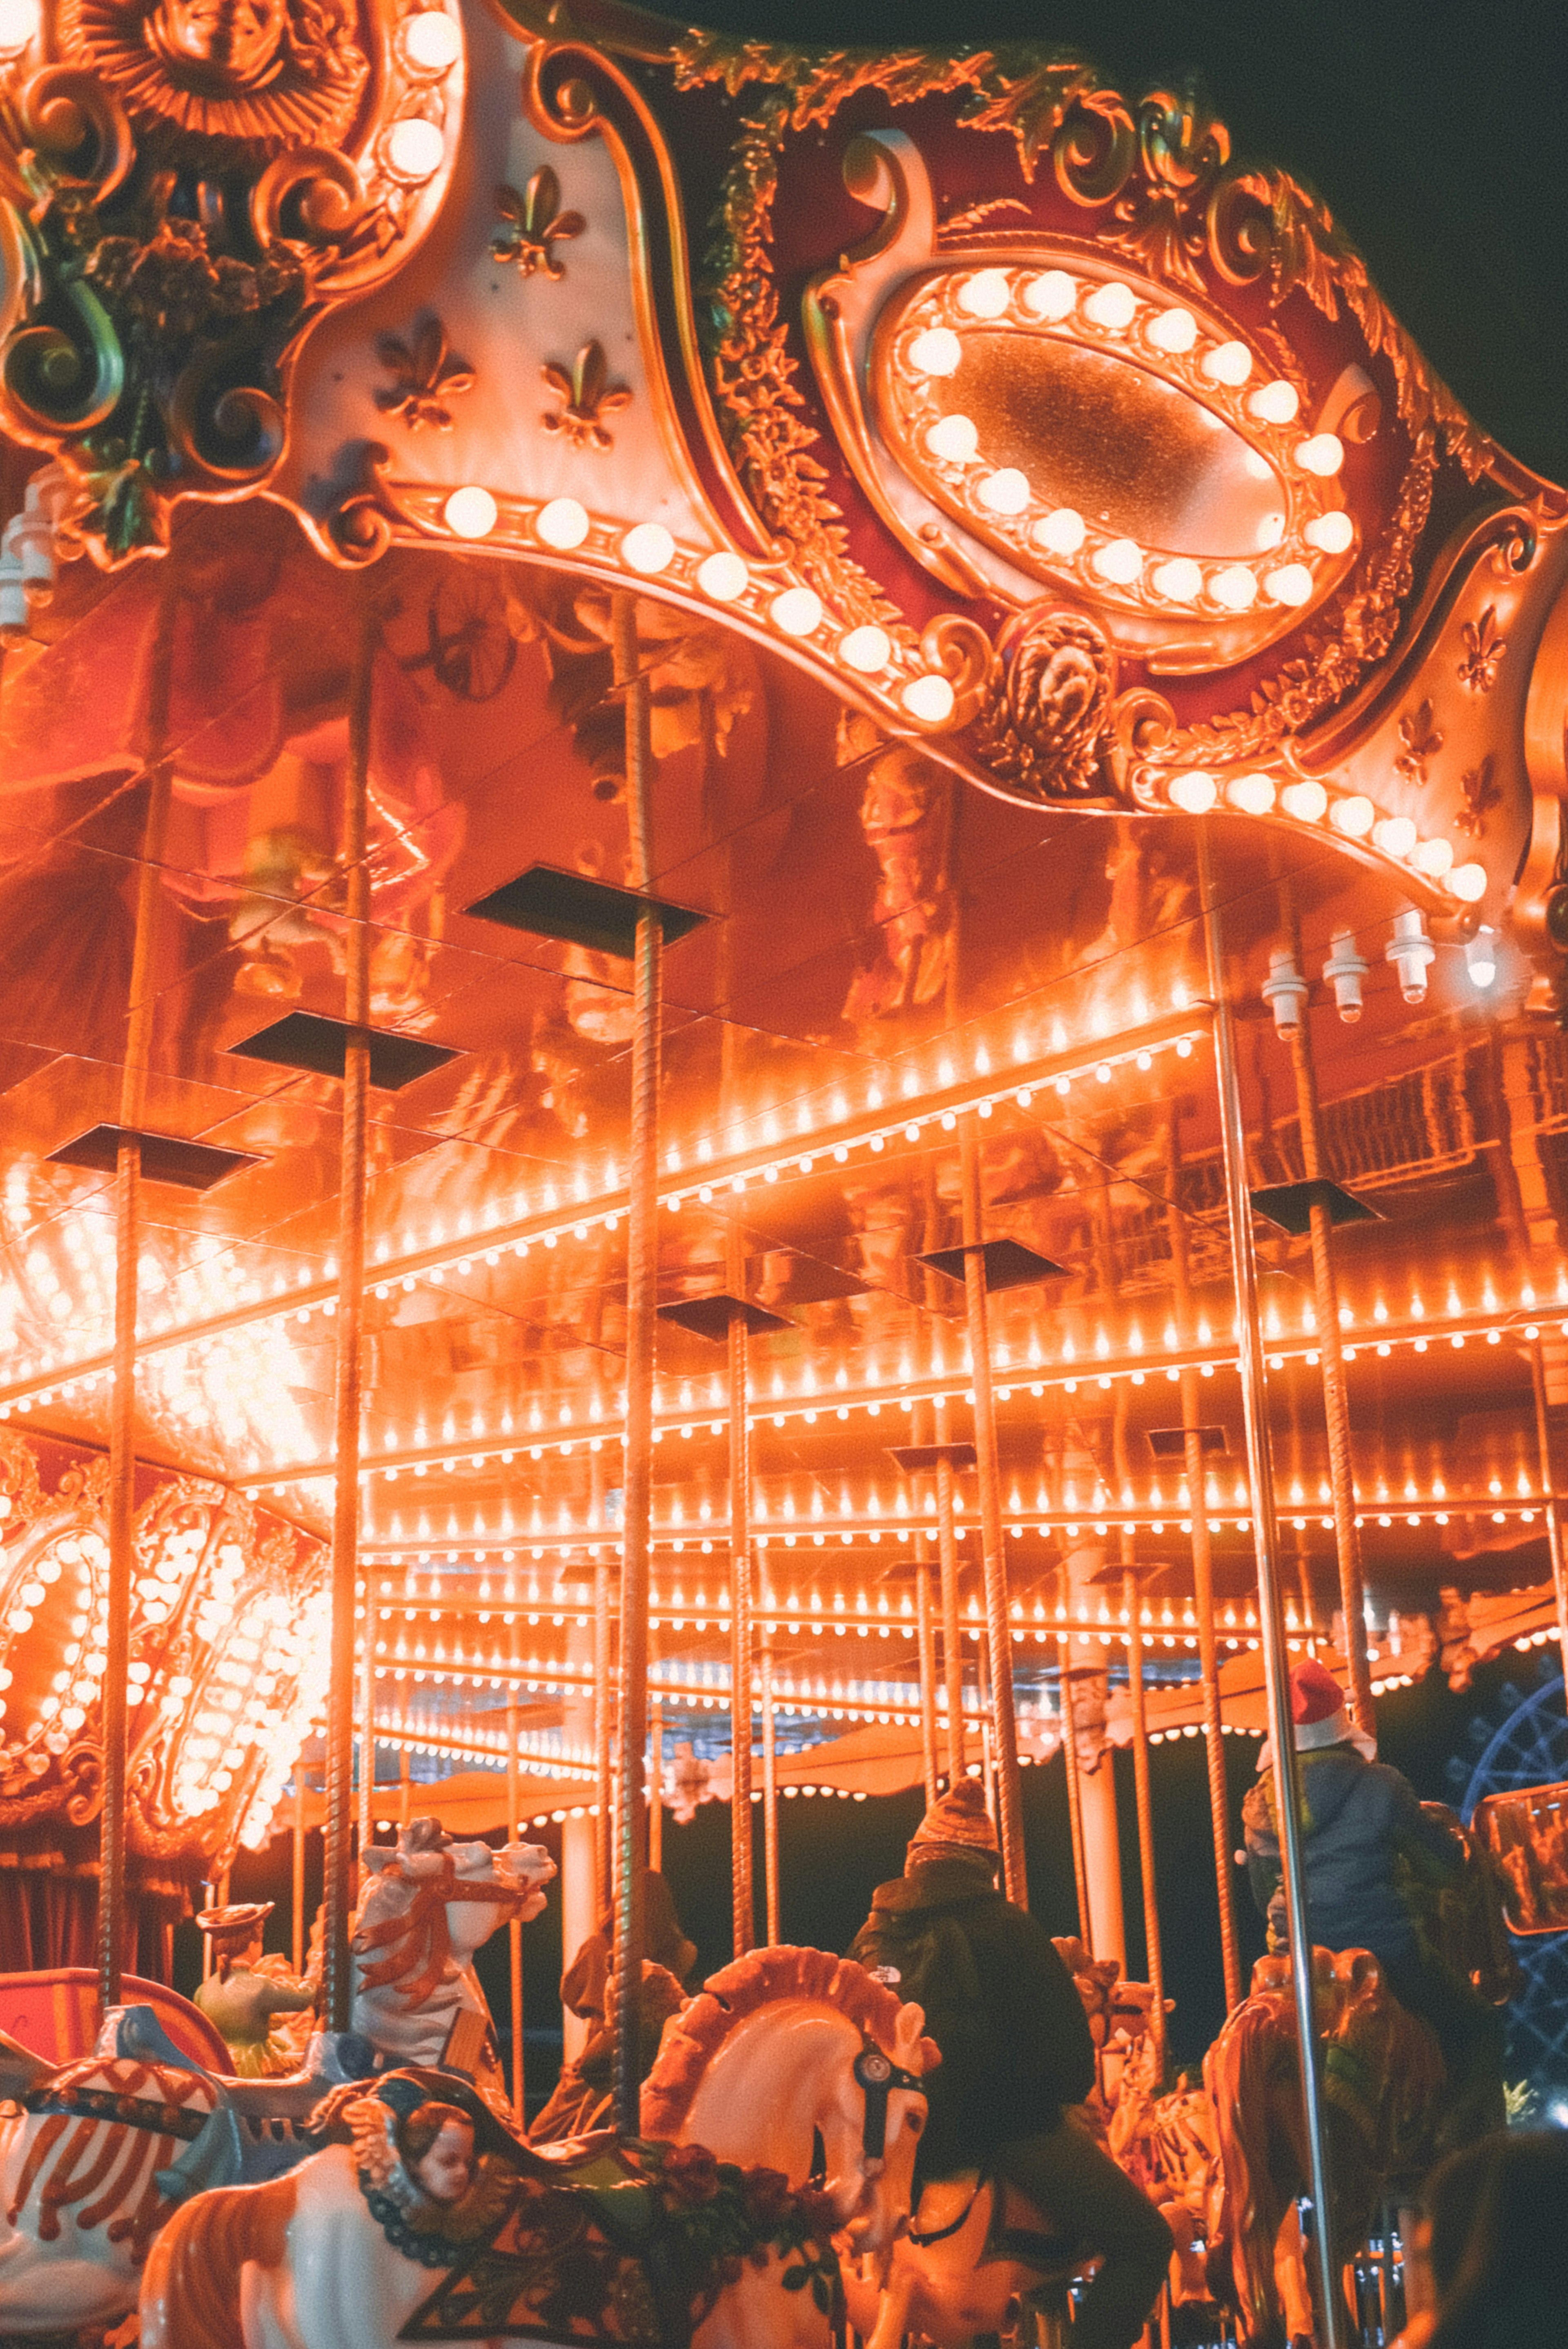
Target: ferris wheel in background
<point>1531,1749</point>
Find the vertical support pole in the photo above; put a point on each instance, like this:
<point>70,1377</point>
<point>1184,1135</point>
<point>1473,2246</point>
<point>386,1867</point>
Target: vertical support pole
<point>642,1289</point>
<point>1155,1947</point>
<point>952,1622</point>
<point>1271,1612</point>
<point>927,1649</point>
<point>769,1794</point>
<point>142,1001</point>
<point>514,1928</point>
<point>656,1785</point>
<point>1549,1491</point>
<point>998,1624</point>
<point>1203,1589</point>
<point>743,1906</point>
<point>1075,1794</point>
<point>337,1966</point>
<point>404,1784</point>
<point>367,1727</point>
<point>1336,1384</point>
<point>603,1723</point>
<point>297,1882</point>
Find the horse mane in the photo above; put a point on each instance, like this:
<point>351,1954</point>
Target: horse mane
<point>760,1979</point>
<point>1237,2073</point>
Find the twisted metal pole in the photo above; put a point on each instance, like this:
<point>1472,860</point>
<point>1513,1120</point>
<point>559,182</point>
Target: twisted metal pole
<point>770,1795</point>
<point>1271,1609</point>
<point>337,1964</point>
<point>1075,1794</point>
<point>1142,1794</point>
<point>604,1730</point>
<point>743,1902</point>
<point>514,1926</point>
<point>1549,1491</point>
<point>642,1298</point>
<point>994,1554</point>
<point>930,1754</point>
<point>1203,1592</point>
<point>1336,1384</point>
<point>141,1003</point>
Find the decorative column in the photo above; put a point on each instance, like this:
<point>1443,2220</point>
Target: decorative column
<point>1075,1809</point>
<point>1271,1612</point>
<point>641,1292</point>
<point>1202,1581</point>
<point>603,1729</point>
<point>999,1625</point>
<point>368,1726</point>
<point>140,1010</point>
<point>1131,1599</point>
<point>1098,1823</point>
<point>337,1966</point>
<point>514,1926</point>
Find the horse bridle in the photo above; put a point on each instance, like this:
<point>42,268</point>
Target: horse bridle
<point>878,2075</point>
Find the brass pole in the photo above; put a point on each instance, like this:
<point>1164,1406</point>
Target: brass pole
<point>1203,1587</point>
<point>743,1904</point>
<point>1271,1612</point>
<point>1132,1601</point>
<point>603,1724</point>
<point>952,1622</point>
<point>928,1742</point>
<point>404,1781</point>
<point>656,1785</point>
<point>770,1795</point>
<point>1145,1810</point>
<point>1335,1385</point>
<point>514,1926</point>
<point>993,1557</point>
<point>367,1729</point>
<point>1075,1808</point>
<point>1548,1491</point>
<point>641,1291</point>
<point>140,1005</point>
<point>297,1884</point>
<point>337,1966</point>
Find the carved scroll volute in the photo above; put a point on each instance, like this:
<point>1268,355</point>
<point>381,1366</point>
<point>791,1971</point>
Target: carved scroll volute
<point>177,210</point>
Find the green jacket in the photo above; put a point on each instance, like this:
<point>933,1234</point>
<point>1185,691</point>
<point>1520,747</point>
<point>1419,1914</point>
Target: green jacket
<point>999,2001</point>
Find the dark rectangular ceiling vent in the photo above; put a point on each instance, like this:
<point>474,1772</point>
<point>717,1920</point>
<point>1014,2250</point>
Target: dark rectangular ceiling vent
<point>1008,1264</point>
<point>318,1047</point>
<point>165,1157</point>
<point>708,1317</point>
<point>1290,1204</point>
<point>550,903</point>
<point>1171,1443</point>
<point>913,1458</point>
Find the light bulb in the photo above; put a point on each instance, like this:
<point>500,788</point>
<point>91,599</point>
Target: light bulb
<point>1480,959</point>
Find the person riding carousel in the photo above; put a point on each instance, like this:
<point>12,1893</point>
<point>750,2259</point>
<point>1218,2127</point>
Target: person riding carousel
<point>1015,2051</point>
<point>1378,1865</point>
<point>239,2001</point>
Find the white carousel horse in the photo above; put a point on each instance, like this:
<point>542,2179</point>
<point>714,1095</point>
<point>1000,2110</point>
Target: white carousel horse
<point>786,2049</point>
<point>427,1905</point>
<point>86,2152</point>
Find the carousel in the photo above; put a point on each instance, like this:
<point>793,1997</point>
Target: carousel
<point>784,950</point>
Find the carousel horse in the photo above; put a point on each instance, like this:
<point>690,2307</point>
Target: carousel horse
<point>425,2218</point>
<point>427,1905</point>
<point>978,2249</point>
<point>1385,2096</point>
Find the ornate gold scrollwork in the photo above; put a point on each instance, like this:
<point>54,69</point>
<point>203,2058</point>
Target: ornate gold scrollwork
<point>1044,728</point>
<point>961,651</point>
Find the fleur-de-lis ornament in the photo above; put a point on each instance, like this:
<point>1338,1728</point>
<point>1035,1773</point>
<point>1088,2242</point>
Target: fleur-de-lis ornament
<point>1421,741</point>
<point>424,379</point>
<point>535,225</point>
<point>587,397</point>
<point>1483,650</point>
<point>1482,794</point>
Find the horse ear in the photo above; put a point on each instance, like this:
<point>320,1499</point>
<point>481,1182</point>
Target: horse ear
<point>916,2054</point>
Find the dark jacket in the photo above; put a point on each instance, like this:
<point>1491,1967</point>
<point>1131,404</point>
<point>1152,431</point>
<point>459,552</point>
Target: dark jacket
<point>999,2001</point>
<point>1367,1846</point>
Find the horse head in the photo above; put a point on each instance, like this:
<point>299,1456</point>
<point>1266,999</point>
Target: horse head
<point>798,2060</point>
